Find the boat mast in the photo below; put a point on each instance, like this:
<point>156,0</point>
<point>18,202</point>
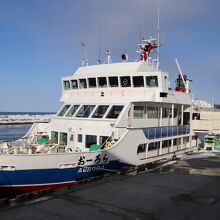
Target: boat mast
<point>158,33</point>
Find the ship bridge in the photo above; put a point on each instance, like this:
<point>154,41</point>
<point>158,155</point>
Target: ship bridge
<point>139,81</point>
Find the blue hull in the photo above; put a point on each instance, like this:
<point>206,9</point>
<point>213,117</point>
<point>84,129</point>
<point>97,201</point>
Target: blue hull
<point>31,180</point>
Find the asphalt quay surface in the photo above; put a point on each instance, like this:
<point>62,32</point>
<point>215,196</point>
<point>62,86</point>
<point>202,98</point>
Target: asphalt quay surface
<point>188,189</point>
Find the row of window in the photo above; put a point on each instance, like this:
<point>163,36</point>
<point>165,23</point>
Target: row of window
<point>155,146</point>
<point>85,111</point>
<point>61,137</point>
<point>166,131</point>
<point>141,112</point>
<point>112,81</point>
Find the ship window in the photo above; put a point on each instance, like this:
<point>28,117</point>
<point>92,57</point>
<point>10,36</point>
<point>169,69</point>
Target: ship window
<point>90,139</point>
<point>100,111</point>
<point>175,112</point>
<point>82,84</point>
<point>63,138</point>
<point>139,112</point>
<point>66,85</point>
<point>54,137</point>
<point>151,81</point>
<point>102,81</point>
<point>141,148</point>
<point>113,81</point>
<point>138,81</point>
<point>165,112</point>
<point>103,139</point>
<point>125,81</point>
<point>80,137</point>
<point>92,82</point>
<point>63,110</point>
<point>85,111</point>
<point>166,143</point>
<point>72,111</point>
<point>153,146</point>
<point>74,84</point>
<point>115,111</point>
<point>152,112</point>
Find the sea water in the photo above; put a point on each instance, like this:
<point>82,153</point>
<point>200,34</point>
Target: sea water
<point>15,131</point>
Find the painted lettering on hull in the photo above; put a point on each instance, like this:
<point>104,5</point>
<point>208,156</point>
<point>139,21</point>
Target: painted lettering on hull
<point>90,169</point>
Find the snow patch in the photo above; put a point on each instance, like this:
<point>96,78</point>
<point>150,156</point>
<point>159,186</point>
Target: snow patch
<point>23,119</point>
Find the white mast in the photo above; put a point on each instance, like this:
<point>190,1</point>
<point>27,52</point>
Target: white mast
<point>158,33</point>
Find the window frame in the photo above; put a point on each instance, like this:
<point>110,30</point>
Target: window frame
<point>85,111</point>
<point>134,84</point>
<point>152,77</point>
<point>104,85</point>
<point>109,81</point>
<point>65,83</point>
<point>89,82</point>
<point>81,82</point>
<point>63,111</point>
<point>109,111</point>
<point>77,107</point>
<point>107,107</point>
<point>128,84</point>
<point>71,84</point>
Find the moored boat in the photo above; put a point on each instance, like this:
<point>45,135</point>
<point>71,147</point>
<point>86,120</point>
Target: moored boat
<point>114,115</point>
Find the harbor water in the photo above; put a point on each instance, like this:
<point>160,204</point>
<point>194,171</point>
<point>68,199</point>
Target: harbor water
<point>14,125</point>
<point>13,132</point>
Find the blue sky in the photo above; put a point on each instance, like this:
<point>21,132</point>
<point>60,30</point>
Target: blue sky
<point>39,43</point>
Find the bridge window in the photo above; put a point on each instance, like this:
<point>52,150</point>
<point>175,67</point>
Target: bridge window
<point>115,111</point>
<point>102,81</point>
<point>82,84</point>
<point>100,111</point>
<point>113,81</point>
<point>74,84</point>
<point>125,81</point>
<point>72,111</point>
<point>54,137</point>
<point>138,81</point>
<point>64,110</point>
<point>85,111</point>
<point>92,82</point>
<point>151,81</point>
<point>66,85</point>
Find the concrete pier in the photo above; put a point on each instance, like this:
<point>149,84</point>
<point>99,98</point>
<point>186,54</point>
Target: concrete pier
<point>188,189</point>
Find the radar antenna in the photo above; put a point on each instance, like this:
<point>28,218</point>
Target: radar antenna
<point>84,59</point>
<point>108,58</point>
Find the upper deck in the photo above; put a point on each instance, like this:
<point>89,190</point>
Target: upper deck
<point>120,82</point>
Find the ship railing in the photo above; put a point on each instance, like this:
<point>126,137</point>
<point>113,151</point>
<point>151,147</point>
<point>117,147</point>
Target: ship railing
<point>166,131</point>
